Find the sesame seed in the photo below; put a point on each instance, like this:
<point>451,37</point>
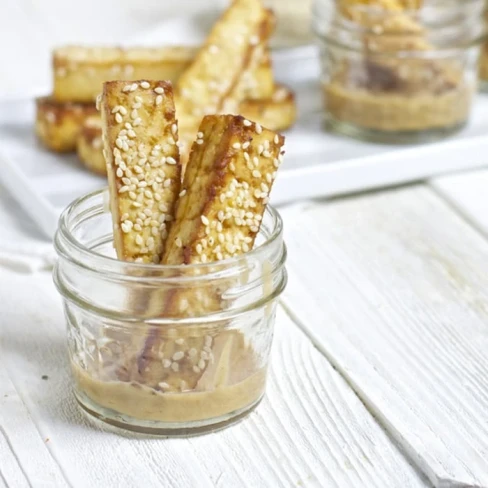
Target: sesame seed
<point>247,123</point>
<point>139,240</point>
<point>175,367</point>
<point>178,355</point>
<point>123,189</point>
<point>159,100</point>
<point>236,145</point>
<point>145,85</point>
<point>178,242</point>
<point>133,87</point>
<point>159,90</point>
<point>137,122</point>
<point>170,160</point>
<point>276,139</point>
<point>126,88</point>
<point>199,141</point>
<point>259,129</point>
<point>266,154</point>
<point>246,145</point>
<point>166,363</point>
<point>134,114</point>
<point>256,174</point>
<point>182,193</point>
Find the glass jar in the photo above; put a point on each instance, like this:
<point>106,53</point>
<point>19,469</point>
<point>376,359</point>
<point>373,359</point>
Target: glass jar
<point>483,65</point>
<point>390,74</point>
<point>166,349</point>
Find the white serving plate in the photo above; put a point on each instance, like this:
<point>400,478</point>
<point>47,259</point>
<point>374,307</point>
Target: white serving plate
<point>317,164</point>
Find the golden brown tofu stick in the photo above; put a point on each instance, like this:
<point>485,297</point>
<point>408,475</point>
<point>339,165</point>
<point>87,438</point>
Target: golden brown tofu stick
<point>140,143</point>
<point>58,123</point>
<point>278,112</point>
<point>226,187</point>
<point>216,70</point>
<point>79,72</point>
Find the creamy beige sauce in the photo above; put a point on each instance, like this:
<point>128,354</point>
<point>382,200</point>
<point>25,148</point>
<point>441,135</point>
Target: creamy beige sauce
<point>145,403</point>
<point>230,379</point>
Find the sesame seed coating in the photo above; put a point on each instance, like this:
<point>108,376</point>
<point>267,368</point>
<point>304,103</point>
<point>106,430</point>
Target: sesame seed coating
<point>225,199</point>
<point>141,191</point>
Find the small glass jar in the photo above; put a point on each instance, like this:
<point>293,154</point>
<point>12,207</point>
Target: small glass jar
<point>483,64</point>
<point>396,75</point>
<point>166,349</point>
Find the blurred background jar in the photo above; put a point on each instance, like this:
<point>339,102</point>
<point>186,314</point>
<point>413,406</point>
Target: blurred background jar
<point>398,70</point>
<point>483,67</point>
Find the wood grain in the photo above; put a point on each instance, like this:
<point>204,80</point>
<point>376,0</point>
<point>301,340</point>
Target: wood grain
<point>390,287</point>
<point>311,429</point>
<point>466,193</point>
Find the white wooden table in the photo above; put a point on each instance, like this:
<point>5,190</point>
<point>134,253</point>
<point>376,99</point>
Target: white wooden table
<point>379,370</point>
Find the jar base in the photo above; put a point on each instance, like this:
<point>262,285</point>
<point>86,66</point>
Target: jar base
<point>394,137</point>
<point>159,428</point>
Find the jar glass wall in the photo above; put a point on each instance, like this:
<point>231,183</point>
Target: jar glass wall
<point>166,349</point>
<point>398,75</point>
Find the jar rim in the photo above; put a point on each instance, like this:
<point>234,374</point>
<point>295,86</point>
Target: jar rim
<point>132,270</point>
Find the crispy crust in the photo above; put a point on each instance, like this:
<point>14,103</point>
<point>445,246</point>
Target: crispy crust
<point>79,72</point>
<point>212,78</point>
<point>279,112</point>
<point>140,143</point>
<point>57,124</point>
<point>217,217</point>
<point>89,145</point>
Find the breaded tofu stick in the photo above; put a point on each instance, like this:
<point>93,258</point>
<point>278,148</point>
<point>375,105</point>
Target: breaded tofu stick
<point>219,64</point>
<point>278,112</point>
<point>144,173</point>
<point>226,187</point>
<point>58,123</point>
<point>79,72</point>
<point>89,145</point>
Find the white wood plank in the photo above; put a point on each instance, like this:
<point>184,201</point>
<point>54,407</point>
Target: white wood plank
<point>311,429</point>
<point>17,433</point>
<point>467,192</point>
<point>392,288</point>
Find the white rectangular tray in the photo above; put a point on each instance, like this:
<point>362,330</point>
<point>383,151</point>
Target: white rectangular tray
<point>317,164</point>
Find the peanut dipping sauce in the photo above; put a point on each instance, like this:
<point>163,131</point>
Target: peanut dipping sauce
<point>230,381</point>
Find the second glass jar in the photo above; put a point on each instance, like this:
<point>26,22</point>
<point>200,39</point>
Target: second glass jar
<point>399,75</point>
